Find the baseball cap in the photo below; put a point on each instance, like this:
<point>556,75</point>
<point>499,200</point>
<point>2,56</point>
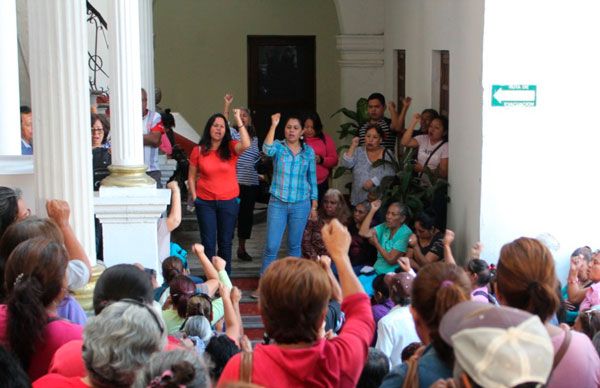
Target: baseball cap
<point>498,346</point>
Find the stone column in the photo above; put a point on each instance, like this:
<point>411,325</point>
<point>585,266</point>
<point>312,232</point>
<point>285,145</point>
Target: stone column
<point>128,204</point>
<point>61,111</point>
<point>147,50</point>
<point>10,124</point>
<point>128,169</point>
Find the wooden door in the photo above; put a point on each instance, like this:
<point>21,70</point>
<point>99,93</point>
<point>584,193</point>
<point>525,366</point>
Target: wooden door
<point>281,78</point>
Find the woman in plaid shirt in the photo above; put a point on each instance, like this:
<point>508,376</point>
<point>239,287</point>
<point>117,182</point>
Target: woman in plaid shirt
<point>293,190</point>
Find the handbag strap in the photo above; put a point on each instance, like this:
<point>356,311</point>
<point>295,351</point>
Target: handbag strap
<point>246,367</point>
<point>558,356</point>
<point>430,155</point>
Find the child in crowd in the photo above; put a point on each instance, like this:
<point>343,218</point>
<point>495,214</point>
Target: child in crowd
<point>481,274</point>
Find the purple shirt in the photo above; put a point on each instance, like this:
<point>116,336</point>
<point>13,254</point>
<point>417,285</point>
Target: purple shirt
<point>381,310</point>
<point>70,309</point>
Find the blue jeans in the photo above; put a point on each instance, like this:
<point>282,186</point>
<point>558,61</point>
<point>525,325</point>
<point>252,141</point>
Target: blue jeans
<point>279,216</point>
<point>217,221</point>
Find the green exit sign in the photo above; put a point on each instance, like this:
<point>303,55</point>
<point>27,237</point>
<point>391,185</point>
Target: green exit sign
<point>514,95</point>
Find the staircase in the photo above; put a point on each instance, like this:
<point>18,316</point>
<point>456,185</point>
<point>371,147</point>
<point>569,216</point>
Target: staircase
<point>245,275</point>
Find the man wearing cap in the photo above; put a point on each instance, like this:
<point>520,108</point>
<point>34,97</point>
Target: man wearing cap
<point>496,346</point>
<point>397,330</point>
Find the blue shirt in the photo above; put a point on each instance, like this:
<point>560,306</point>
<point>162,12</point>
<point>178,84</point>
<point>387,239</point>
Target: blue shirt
<point>294,176</point>
<point>430,369</point>
<point>26,149</point>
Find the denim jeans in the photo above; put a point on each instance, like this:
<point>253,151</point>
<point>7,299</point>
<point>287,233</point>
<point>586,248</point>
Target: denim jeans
<point>279,216</point>
<point>217,220</point>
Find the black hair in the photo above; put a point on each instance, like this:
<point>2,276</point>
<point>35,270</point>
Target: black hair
<point>9,207</point>
<point>11,373</point>
<point>426,219</point>
<point>205,142</point>
<point>434,113</point>
<point>444,120</point>
<point>24,109</point>
<point>301,119</point>
<point>377,96</point>
<point>379,130</point>
<point>376,368</point>
<point>220,349</point>
<point>171,267</point>
<point>380,286</point>
<point>167,118</point>
<point>122,281</point>
<point>480,268</point>
<point>105,124</point>
<point>410,350</point>
<point>317,124</point>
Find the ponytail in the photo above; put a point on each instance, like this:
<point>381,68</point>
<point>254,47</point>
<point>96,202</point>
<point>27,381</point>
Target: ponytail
<point>27,318</point>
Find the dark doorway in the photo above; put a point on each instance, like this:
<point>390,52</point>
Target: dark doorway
<point>281,78</point>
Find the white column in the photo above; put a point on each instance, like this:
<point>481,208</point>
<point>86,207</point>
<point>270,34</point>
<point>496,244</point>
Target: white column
<point>10,124</point>
<point>147,50</point>
<point>125,97</point>
<point>128,204</point>
<point>61,110</point>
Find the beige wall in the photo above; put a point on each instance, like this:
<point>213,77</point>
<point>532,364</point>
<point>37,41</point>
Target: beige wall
<point>419,27</point>
<point>200,50</point>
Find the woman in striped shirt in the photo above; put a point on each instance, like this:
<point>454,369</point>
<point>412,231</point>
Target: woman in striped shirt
<point>293,190</point>
<point>247,178</point>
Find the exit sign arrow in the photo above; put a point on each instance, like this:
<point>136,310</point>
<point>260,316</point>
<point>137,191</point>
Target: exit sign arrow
<point>514,95</point>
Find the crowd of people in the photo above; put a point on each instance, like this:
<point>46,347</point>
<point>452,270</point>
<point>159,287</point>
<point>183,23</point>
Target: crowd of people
<point>368,295</point>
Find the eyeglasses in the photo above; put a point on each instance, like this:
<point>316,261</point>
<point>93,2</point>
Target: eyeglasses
<point>150,310</point>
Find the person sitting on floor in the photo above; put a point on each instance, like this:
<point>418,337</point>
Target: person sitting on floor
<point>389,238</point>
<point>573,293</point>
<point>397,329</point>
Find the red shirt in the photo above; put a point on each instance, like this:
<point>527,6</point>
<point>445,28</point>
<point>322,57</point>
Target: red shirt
<point>55,334</point>
<point>328,153</point>
<point>328,363</point>
<point>217,179</point>
<point>54,380</point>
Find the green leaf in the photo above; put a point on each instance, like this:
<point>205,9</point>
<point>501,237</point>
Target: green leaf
<point>339,172</point>
<point>346,112</point>
<point>348,126</point>
<point>362,111</point>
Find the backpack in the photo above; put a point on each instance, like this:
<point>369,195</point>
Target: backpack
<point>491,299</point>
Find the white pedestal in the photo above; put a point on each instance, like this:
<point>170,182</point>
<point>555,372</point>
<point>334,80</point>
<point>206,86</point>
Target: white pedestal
<point>129,224</point>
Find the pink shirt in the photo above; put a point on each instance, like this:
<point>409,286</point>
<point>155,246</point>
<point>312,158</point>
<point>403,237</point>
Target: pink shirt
<point>328,363</point>
<point>579,367</point>
<point>327,151</point>
<point>480,298</point>
<point>55,334</point>
<point>592,297</point>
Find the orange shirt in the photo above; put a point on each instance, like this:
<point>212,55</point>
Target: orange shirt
<point>216,179</point>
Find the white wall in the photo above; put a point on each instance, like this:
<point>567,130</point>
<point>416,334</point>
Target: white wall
<point>538,163</point>
<point>419,27</point>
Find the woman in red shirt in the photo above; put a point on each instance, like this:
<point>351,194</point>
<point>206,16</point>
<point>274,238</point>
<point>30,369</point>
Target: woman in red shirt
<point>213,183</point>
<point>326,155</point>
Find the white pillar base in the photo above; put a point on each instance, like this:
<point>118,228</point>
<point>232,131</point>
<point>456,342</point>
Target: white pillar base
<point>129,224</point>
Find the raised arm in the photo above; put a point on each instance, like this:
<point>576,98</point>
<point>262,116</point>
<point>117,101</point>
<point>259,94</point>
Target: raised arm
<point>232,325</point>
<point>271,133</point>
<point>245,141</point>
<point>336,291</point>
<point>59,212</point>
<point>349,154</point>
<point>402,116</point>
<point>395,124</point>
<point>418,255</point>
<point>448,239</point>
<point>337,241</point>
<point>407,139</point>
<point>211,273</point>
<point>174,218</point>
<point>365,228</point>
<point>575,292</point>
<point>227,100</point>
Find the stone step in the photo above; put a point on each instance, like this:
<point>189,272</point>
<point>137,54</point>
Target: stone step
<point>190,223</point>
